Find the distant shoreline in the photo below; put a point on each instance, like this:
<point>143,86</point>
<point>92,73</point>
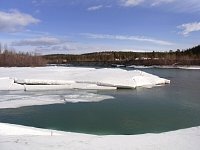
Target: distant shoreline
<point>192,67</point>
<point>190,57</point>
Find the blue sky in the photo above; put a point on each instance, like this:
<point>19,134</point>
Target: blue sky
<point>82,26</point>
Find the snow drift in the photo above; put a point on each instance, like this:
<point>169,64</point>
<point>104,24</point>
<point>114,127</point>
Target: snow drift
<point>18,137</point>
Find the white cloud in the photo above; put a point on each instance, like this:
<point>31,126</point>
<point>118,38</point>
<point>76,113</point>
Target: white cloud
<point>188,6</point>
<point>69,48</point>
<point>42,41</point>
<point>127,38</point>
<point>93,8</point>
<point>159,2</point>
<point>14,21</point>
<point>129,3</point>
<point>176,5</point>
<point>189,27</point>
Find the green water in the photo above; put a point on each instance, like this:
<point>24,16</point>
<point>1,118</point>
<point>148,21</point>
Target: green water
<point>154,110</point>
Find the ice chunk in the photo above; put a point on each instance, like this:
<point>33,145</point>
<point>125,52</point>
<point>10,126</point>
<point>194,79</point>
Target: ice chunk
<point>7,83</point>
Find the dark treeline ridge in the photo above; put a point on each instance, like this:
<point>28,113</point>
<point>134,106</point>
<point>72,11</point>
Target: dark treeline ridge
<point>13,59</point>
<point>180,57</point>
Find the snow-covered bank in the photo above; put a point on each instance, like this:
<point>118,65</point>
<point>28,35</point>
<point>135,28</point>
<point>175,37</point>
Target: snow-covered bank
<point>190,67</point>
<point>166,67</point>
<point>15,137</point>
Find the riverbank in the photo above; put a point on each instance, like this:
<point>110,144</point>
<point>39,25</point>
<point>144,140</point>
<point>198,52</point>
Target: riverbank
<point>16,137</point>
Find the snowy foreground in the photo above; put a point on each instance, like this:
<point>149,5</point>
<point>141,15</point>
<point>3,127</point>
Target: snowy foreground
<point>15,83</point>
<point>15,137</point>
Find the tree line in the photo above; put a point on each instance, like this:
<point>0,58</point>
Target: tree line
<point>14,59</point>
<point>191,56</point>
<point>179,57</point>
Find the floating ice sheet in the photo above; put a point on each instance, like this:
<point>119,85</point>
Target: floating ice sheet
<point>66,78</point>
<point>21,98</point>
<point>75,78</point>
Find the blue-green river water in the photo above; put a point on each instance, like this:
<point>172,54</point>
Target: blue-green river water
<point>154,110</point>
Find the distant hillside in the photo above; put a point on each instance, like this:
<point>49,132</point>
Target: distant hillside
<point>189,56</point>
<point>180,57</point>
<point>194,51</point>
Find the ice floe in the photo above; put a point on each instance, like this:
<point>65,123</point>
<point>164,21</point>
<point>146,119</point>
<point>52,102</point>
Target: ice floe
<point>67,78</point>
<point>21,98</point>
<point>75,78</point>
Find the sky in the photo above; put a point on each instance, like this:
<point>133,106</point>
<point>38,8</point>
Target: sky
<point>84,26</point>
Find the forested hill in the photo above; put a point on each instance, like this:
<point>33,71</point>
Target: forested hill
<point>179,57</point>
<point>104,59</point>
<point>195,50</point>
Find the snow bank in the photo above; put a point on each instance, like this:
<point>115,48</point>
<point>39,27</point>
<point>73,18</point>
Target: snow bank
<point>178,67</point>
<point>10,129</point>
<point>166,67</point>
<point>190,67</point>
<point>140,67</point>
<point>15,137</point>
